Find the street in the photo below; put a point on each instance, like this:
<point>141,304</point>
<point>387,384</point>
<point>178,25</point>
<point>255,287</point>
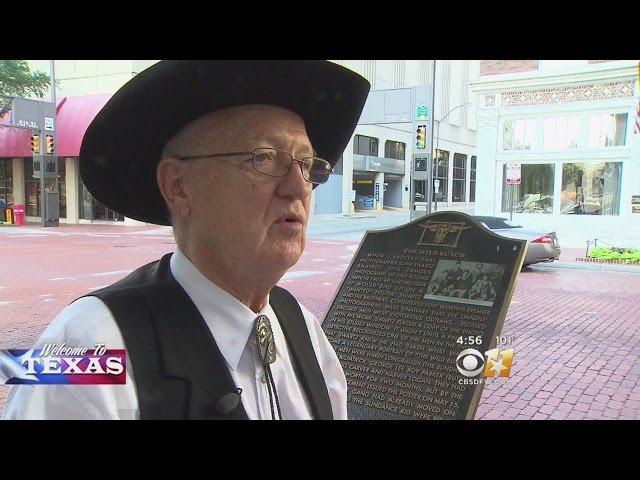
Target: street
<point>575,330</point>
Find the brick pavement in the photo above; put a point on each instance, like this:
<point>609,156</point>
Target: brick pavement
<point>576,332</point>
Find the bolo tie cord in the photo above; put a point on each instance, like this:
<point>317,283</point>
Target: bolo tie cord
<point>271,388</point>
<point>267,353</point>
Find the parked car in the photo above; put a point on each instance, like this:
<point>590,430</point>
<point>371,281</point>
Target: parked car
<point>543,246</point>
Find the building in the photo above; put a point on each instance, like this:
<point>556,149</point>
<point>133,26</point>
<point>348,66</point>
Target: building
<point>570,125</point>
<point>376,164</point>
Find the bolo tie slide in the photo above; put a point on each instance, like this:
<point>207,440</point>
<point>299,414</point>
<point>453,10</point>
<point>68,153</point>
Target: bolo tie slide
<point>267,353</point>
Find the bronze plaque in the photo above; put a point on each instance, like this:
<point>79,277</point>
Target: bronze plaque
<point>417,315</point>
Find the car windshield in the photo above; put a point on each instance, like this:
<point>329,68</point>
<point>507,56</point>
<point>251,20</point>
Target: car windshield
<point>494,223</point>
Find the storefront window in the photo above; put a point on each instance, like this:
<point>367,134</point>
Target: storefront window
<point>535,192</point>
<point>6,183</point>
<point>62,187</point>
<point>591,189</point>
<point>561,133</point>
<point>86,202</point>
<point>472,183</point>
<point>607,130</point>
<point>519,134</point>
<point>91,209</point>
<point>31,189</point>
<point>441,172</point>
<point>459,177</point>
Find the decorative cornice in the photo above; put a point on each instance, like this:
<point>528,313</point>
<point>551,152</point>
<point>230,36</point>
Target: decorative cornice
<point>608,72</point>
<point>571,94</point>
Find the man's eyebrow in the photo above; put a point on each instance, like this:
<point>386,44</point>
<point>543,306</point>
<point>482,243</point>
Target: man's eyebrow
<point>274,140</point>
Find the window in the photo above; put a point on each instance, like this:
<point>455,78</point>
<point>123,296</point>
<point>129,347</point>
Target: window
<point>607,130</point>
<point>31,189</point>
<point>365,145</point>
<point>459,177</point>
<point>519,134</point>
<point>591,189</point>
<point>535,192</point>
<point>394,149</point>
<point>419,191</point>
<point>441,172</point>
<point>472,183</point>
<point>6,184</point>
<point>91,209</point>
<point>561,133</point>
<point>85,202</point>
<point>62,187</point>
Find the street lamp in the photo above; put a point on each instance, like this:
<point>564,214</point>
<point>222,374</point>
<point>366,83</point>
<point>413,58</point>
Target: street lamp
<point>436,161</point>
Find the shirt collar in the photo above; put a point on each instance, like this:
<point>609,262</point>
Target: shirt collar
<point>230,321</point>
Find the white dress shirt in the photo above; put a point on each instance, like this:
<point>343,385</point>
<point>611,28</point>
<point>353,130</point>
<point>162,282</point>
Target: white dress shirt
<point>88,321</point>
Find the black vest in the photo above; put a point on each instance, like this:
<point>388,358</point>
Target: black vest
<point>179,370</point>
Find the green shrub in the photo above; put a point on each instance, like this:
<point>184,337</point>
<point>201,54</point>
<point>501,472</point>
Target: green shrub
<point>629,255</point>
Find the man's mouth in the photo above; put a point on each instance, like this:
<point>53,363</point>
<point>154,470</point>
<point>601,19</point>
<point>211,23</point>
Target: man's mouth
<point>290,218</point>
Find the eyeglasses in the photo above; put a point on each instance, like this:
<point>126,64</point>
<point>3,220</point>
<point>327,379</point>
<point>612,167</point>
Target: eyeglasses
<point>277,163</point>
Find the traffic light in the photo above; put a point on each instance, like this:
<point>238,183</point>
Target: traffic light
<point>35,143</point>
<point>51,148</point>
<point>421,137</point>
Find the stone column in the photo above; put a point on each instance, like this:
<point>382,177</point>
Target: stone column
<point>17,166</point>
<point>487,175</point>
<point>72,174</point>
<point>378,187</point>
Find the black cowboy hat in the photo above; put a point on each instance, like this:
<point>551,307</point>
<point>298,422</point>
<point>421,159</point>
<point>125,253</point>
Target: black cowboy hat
<point>123,144</point>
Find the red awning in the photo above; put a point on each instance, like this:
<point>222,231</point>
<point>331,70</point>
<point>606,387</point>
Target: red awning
<point>73,116</point>
<point>14,142</point>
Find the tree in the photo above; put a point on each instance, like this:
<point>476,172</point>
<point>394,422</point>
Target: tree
<point>17,80</point>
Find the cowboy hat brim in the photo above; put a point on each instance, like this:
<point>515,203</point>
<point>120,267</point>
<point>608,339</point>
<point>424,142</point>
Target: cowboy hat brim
<point>123,144</point>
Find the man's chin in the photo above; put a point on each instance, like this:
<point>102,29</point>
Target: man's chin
<point>286,256</point>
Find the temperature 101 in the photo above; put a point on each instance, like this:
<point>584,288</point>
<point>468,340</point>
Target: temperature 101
<point>504,340</point>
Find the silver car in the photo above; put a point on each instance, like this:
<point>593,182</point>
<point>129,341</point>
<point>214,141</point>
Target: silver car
<point>542,246</point>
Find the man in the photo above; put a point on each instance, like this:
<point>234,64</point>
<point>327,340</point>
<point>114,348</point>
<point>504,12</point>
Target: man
<point>479,273</point>
<point>228,153</point>
<point>462,285</point>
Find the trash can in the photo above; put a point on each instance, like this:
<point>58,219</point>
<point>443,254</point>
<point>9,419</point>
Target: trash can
<point>18,215</point>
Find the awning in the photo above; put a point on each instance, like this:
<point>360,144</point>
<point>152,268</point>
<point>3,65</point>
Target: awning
<point>74,114</point>
<point>73,117</point>
<point>14,142</point>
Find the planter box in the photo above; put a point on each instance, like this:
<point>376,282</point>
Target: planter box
<point>604,260</point>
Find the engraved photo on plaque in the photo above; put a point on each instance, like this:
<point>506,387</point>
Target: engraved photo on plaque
<point>409,294</point>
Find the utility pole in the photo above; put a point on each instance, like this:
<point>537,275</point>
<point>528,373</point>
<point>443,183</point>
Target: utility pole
<point>435,153</point>
<point>430,159</point>
<point>49,192</point>
<point>422,161</point>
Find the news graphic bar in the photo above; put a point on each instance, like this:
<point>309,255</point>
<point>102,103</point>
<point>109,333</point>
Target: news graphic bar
<point>54,365</point>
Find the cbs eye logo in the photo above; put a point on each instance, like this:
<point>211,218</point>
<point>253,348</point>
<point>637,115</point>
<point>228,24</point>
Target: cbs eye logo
<point>470,362</point>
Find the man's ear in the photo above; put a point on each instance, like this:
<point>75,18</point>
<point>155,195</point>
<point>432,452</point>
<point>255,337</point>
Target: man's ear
<point>171,175</point>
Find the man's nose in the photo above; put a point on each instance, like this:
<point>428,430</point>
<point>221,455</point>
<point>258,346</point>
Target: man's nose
<point>293,184</point>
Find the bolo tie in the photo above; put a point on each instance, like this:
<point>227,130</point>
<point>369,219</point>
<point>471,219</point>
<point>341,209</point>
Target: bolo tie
<point>267,353</point>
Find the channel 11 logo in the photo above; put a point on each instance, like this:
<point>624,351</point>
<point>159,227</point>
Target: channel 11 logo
<point>470,362</point>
